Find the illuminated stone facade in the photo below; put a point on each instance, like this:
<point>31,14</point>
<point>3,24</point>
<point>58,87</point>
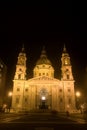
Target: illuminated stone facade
<point>43,91</point>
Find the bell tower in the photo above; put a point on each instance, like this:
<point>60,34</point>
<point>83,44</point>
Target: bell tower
<point>66,66</point>
<point>21,66</point>
<point>19,81</point>
<point>68,82</point>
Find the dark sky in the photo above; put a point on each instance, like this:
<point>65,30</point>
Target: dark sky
<point>51,26</point>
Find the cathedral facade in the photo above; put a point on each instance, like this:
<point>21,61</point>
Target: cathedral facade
<point>43,91</point>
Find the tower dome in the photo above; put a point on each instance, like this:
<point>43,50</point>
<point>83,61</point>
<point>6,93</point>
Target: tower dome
<point>43,59</point>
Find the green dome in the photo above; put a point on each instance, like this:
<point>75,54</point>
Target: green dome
<point>43,59</point>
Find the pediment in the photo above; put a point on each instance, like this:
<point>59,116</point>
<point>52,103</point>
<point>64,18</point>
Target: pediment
<point>45,79</point>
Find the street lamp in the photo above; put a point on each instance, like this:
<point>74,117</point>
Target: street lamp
<point>10,99</point>
<point>10,94</point>
<point>78,94</point>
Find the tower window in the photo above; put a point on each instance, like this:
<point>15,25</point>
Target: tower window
<point>67,70</point>
<point>19,76</point>
<point>43,73</point>
<point>67,76</point>
<point>20,69</point>
<point>18,89</point>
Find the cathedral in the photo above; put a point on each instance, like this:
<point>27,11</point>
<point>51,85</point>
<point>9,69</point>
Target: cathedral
<point>43,91</point>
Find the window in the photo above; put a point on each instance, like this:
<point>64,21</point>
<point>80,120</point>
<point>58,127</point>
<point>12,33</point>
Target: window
<point>43,91</point>
<point>17,100</point>
<point>19,76</point>
<point>67,76</point>
<point>68,90</point>
<point>20,69</point>
<point>67,70</point>
<point>43,73</point>
<point>18,89</point>
<point>26,89</point>
<point>39,74</point>
<point>60,90</point>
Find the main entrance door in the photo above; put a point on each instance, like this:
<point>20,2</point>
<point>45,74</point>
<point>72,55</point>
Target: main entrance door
<point>43,99</point>
<point>43,103</point>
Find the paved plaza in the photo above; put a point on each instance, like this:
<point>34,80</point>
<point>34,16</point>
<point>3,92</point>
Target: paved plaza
<point>42,121</point>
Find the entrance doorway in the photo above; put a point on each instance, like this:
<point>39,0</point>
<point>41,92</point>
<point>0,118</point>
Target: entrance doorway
<point>43,103</point>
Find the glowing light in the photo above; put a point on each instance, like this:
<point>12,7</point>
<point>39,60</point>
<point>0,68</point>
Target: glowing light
<point>43,98</point>
<point>78,94</point>
<point>10,94</point>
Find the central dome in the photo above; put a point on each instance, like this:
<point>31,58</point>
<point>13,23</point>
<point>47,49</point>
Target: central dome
<point>43,59</point>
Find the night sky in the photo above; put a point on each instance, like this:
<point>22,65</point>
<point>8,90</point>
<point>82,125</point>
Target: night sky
<point>38,26</point>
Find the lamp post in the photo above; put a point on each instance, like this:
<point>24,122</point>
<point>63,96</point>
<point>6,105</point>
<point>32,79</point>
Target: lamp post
<point>78,94</point>
<point>10,99</point>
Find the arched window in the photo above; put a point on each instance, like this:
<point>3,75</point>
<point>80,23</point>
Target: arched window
<point>67,76</point>
<point>19,76</point>
<point>18,89</point>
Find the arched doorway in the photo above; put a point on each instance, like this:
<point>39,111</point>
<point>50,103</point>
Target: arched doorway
<point>43,96</point>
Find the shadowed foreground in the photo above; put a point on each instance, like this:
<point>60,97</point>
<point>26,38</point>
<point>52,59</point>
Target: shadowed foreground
<point>40,121</point>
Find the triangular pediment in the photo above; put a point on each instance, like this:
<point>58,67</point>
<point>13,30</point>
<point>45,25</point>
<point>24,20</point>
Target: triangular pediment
<point>45,79</point>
